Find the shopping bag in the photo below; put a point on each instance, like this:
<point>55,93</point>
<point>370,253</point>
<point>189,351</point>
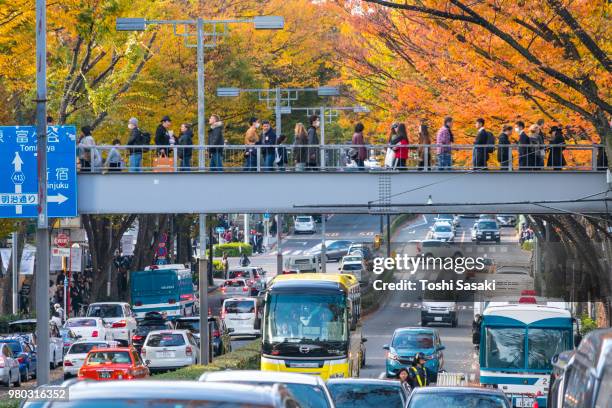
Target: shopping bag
<point>163,164</point>
<point>390,158</point>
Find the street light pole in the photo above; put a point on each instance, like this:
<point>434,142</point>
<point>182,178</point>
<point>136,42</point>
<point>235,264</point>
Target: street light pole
<point>322,121</point>
<point>201,95</point>
<point>42,232</point>
<point>14,272</point>
<point>277,109</point>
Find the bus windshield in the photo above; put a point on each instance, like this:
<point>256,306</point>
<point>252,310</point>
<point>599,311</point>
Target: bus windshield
<point>505,348</point>
<point>306,318</point>
<point>543,344</point>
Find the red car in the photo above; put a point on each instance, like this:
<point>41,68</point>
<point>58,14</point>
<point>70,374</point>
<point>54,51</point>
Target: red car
<point>115,363</point>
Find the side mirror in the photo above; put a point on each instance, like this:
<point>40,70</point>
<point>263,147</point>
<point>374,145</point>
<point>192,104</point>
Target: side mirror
<point>231,330</point>
<point>147,362</point>
<point>440,348</point>
<point>79,336</point>
<point>363,339</point>
<point>386,347</point>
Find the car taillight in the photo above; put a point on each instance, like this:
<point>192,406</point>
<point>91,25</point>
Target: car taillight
<point>245,289</point>
<point>120,323</point>
<point>136,337</point>
<point>171,301</point>
<point>186,297</point>
<point>223,289</point>
<point>216,333</point>
<point>2,362</point>
<point>138,303</point>
<point>95,333</point>
<point>188,350</point>
<point>67,363</point>
<point>251,281</point>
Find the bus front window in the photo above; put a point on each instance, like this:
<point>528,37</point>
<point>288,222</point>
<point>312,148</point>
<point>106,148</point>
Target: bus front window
<point>306,318</point>
<point>505,348</point>
<point>543,344</point>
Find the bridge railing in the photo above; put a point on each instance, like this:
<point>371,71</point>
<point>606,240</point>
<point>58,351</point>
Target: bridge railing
<point>339,158</point>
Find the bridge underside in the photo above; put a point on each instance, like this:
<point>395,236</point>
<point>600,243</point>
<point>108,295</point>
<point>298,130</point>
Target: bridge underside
<point>350,192</point>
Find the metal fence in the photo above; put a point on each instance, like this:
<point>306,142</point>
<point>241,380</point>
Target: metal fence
<point>340,158</point>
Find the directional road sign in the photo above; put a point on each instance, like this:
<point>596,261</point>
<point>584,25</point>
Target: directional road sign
<point>219,230</point>
<point>19,174</point>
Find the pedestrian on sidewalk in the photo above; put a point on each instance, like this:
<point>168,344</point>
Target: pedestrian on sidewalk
<point>215,138</point>
<point>225,263</point>
<point>480,152</point>
<point>135,139</point>
<point>250,140</point>
<point>555,158</point>
<point>185,153</point>
<point>244,260</point>
<point>504,154</point>
<point>444,140</point>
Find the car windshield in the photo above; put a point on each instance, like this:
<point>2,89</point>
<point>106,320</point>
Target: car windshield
<point>445,217</point>
<point>144,330</point>
<point>114,357</point>
<point>309,396</point>
<point>22,327</point>
<point>443,228</point>
<point>487,225</point>
<point>239,306</point>
<point>234,283</point>
<point>81,323</point>
<point>505,348</point>
<point>367,395</point>
<point>303,219</point>
<point>191,325</point>
<point>165,340</point>
<point>543,344</point>
<point>306,318</point>
<point>83,348</point>
<point>351,267</point>
<point>104,311</point>
<point>413,340</point>
<point>153,403</point>
<point>15,346</point>
<point>352,259</point>
<point>237,274</point>
<point>457,400</point>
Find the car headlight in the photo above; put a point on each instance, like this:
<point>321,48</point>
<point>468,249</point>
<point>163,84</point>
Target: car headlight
<point>393,356</point>
<point>431,357</point>
<point>452,308</point>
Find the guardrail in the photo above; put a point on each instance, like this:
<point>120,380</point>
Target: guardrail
<point>334,158</point>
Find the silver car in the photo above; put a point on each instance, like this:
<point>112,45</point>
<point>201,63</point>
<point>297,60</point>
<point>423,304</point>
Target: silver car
<point>162,394</point>
<point>9,367</point>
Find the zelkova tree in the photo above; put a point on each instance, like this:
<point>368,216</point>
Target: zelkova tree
<point>489,57</point>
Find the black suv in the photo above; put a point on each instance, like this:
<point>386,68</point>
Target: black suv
<point>486,230</point>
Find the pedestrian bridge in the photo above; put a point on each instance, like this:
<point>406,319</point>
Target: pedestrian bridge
<point>372,191</point>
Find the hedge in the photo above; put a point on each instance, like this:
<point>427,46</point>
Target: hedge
<point>6,319</point>
<point>232,249</point>
<point>9,403</point>
<point>246,358</point>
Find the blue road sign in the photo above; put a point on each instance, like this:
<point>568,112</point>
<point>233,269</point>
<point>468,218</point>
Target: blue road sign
<point>219,230</point>
<point>19,172</point>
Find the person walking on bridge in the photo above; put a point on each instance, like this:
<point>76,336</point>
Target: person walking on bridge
<point>480,151</point>
<point>423,151</point>
<point>359,143</point>
<point>268,139</point>
<point>444,140</point>
<point>504,154</point>
<point>313,143</point>
<point>250,140</point>
<point>162,136</point>
<point>215,138</point>
<point>524,148</point>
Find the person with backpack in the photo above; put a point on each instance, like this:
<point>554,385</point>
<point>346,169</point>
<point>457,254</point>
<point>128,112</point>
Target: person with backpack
<point>480,151</point>
<point>136,138</point>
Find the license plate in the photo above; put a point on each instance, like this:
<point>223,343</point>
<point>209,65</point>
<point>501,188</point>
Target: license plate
<point>437,319</point>
<point>524,402</point>
<point>104,374</point>
<point>304,365</point>
<point>165,354</point>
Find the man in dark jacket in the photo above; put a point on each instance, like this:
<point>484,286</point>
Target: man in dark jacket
<point>555,158</point>
<point>312,162</point>
<point>215,138</point>
<point>524,148</point>
<point>162,136</point>
<point>480,148</point>
<point>504,154</point>
<point>135,139</point>
<point>185,153</point>
<point>268,139</point>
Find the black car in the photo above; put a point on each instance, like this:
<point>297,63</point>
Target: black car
<point>219,333</point>
<point>453,397</point>
<point>367,393</point>
<point>149,323</point>
<point>486,230</point>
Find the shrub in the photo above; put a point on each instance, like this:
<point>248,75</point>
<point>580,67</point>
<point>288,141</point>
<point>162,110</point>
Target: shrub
<point>232,249</point>
<point>587,324</point>
<point>246,358</point>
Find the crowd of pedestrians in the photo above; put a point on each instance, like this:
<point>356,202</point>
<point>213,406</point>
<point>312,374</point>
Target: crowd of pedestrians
<point>264,150</point>
<point>79,289</point>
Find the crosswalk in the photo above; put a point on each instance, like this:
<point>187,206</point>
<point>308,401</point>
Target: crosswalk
<point>408,305</point>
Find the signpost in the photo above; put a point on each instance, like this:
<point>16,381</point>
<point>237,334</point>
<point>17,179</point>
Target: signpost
<point>219,231</point>
<point>18,172</point>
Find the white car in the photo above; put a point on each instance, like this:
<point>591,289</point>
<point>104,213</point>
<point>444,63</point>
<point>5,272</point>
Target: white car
<point>241,315</point>
<point>253,275</point>
<point>9,367</point>
<point>118,315</point>
<point>354,257</point>
<point>309,390</point>
<point>302,263</point>
<point>27,329</point>
<point>75,357</point>
<point>443,231</point>
<point>166,349</point>
<point>235,287</point>
<point>89,328</point>
<point>356,268</point>
<point>304,224</point>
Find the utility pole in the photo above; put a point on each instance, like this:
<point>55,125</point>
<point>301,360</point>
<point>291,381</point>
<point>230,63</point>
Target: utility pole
<point>15,272</point>
<point>388,235</point>
<point>277,109</point>
<point>279,250</point>
<point>42,231</point>
<point>323,249</point>
<point>203,289</point>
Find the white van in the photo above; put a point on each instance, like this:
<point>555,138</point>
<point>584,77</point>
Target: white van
<point>302,263</point>
<point>241,314</point>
